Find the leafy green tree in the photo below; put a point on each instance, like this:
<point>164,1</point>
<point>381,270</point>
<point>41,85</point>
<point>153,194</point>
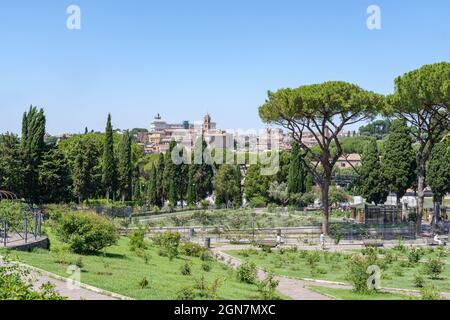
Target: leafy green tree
<point>297,173</point>
<point>323,111</point>
<point>226,187</point>
<point>202,171</point>
<point>438,174</point>
<point>398,164</point>
<point>422,98</point>
<point>33,148</point>
<point>109,172</point>
<point>257,185</point>
<point>54,177</point>
<point>372,184</point>
<point>378,129</point>
<point>125,169</point>
<point>11,175</point>
<point>279,192</point>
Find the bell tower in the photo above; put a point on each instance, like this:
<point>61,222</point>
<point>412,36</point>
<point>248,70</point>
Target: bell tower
<point>207,122</point>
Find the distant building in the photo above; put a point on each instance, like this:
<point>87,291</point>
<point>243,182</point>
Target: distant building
<point>349,161</point>
<point>186,134</point>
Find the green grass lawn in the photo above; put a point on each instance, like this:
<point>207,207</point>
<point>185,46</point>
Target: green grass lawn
<point>119,270</point>
<point>346,294</point>
<point>332,267</point>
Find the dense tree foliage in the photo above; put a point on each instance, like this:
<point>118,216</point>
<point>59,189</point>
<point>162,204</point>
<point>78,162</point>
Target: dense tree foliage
<point>33,148</point>
<point>125,169</point>
<point>297,173</point>
<point>109,166</point>
<point>378,129</point>
<point>438,174</point>
<point>54,177</point>
<point>228,186</point>
<point>398,159</point>
<point>372,185</point>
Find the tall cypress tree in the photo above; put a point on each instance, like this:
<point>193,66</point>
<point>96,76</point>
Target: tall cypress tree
<point>169,175</point>
<point>54,177</point>
<point>137,197</point>
<point>203,172</point>
<point>11,173</point>
<point>152,190</point>
<point>398,162</point>
<point>191,191</point>
<point>125,169</point>
<point>109,176</point>
<point>160,196</point>
<point>297,174</point>
<point>372,185</point>
<point>237,198</point>
<point>32,149</point>
<point>80,175</point>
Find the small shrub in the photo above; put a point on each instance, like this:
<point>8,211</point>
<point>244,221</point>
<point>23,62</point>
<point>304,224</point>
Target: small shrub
<point>186,293</point>
<point>143,283</point>
<point>390,257</point>
<point>186,269</point>
<point>142,253</point>
<point>398,271</point>
<point>430,292</point>
<point>191,249</point>
<point>137,240</point>
<point>169,242</point>
<point>418,281</point>
<point>87,233</point>
<point>414,255</point>
<point>267,288</point>
<point>79,263</point>
<point>206,267</point>
<point>206,256</point>
<point>246,272</point>
<point>206,291</point>
<point>433,268</point>
<point>313,258</point>
<point>357,275</point>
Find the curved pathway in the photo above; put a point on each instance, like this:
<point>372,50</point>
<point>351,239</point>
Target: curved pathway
<point>296,289</point>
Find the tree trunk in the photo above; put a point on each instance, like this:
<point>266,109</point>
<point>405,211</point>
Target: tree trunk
<point>437,210</point>
<point>326,206</point>
<point>420,194</point>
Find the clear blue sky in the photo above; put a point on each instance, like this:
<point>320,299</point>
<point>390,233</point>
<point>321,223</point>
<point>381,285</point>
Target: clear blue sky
<point>184,58</point>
